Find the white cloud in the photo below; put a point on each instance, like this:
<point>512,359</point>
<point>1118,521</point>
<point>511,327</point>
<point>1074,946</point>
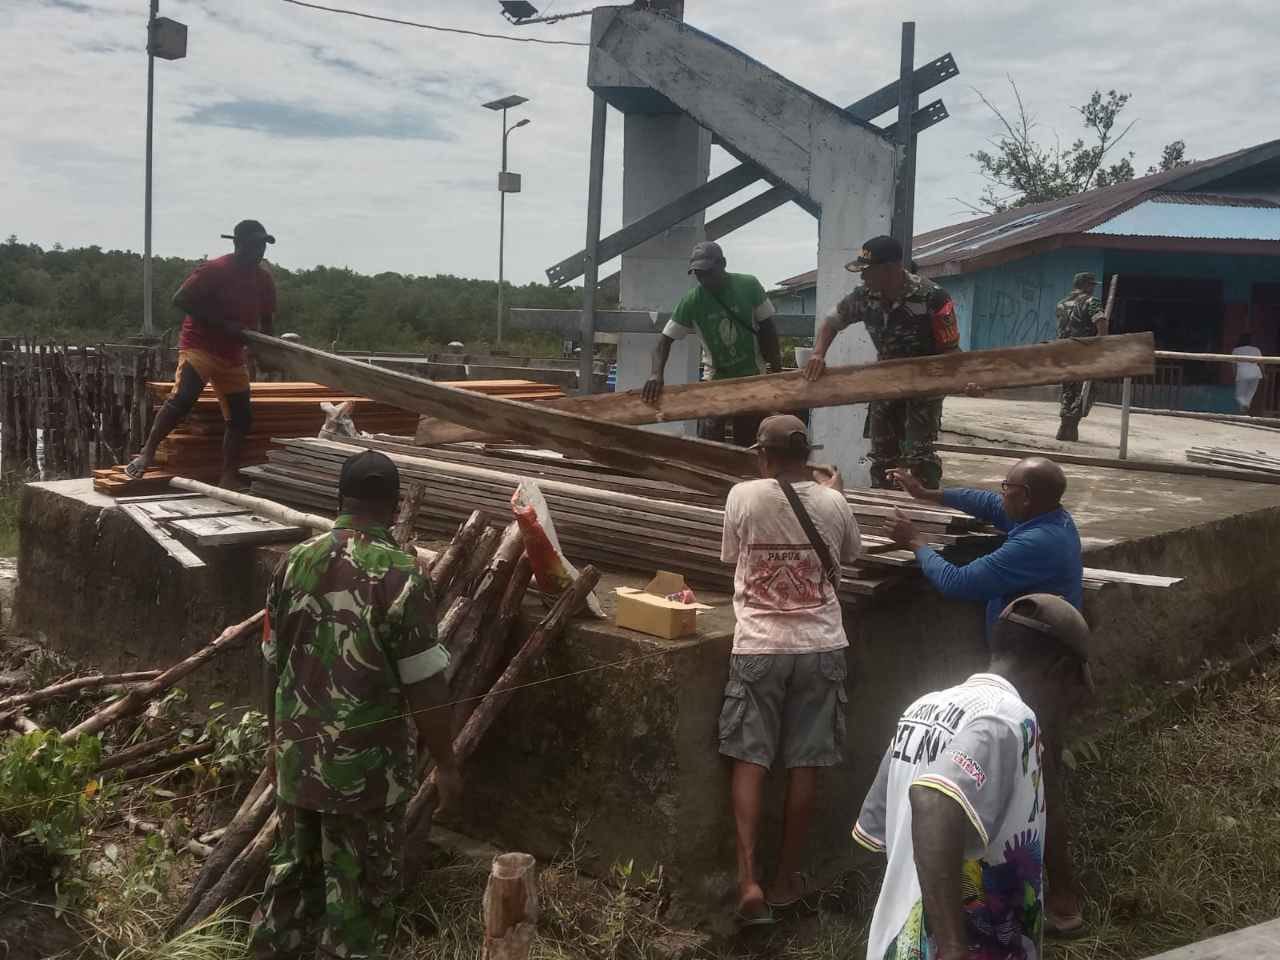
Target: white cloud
<point>403,176</point>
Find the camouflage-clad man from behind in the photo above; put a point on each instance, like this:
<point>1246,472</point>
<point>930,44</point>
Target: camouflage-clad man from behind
<point>1079,315</point>
<point>350,648</point>
<point>906,316</point>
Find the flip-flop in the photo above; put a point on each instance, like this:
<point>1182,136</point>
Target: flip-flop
<point>1064,928</point>
<point>766,919</point>
<point>807,889</point>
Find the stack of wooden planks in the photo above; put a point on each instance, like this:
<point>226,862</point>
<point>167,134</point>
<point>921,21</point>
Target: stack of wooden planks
<point>601,518</point>
<point>624,522</point>
<point>289,409</point>
<point>1240,459</point>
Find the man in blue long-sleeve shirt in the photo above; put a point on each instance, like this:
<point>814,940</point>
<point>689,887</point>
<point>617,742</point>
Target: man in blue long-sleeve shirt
<point>1041,554</point>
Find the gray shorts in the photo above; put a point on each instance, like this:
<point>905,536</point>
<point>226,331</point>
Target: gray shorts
<point>793,701</point>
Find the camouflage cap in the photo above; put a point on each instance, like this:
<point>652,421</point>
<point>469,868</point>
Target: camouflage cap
<point>1081,279</point>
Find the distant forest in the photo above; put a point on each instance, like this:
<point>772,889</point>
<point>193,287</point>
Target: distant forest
<point>88,294</point>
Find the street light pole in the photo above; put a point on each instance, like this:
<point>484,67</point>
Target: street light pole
<point>147,326</point>
<point>502,221</point>
<point>507,183</point>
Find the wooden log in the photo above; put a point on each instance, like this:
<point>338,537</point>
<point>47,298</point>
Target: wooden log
<point>243,870</point>
<point>237,835</point>
<point>75,686</point>
<point>164,763</point>
<point>446,567</point>
<point>141,751</point>
<point>695,463</point>
<point>1058,361</point>
<point>510,907</point>
<point>552,625</point>
<point>191,845</point>
<point>402,530</point>
<point>1113,463</point>
<point>22,724</point>
<point>486,595</point>
<point>465,582</point>
<point>489,657</point>
<point>136,701</point>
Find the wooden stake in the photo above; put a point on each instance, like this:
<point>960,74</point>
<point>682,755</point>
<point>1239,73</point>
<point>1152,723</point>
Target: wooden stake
<point>141,751</point>
<point>246,825</point>
<point>137,700</point>
<point>243,870</point>
<point>446,567</point>
<point>510,907</point>
<point>402,531</point>
<point>165,762</point>
<point>552,625</point>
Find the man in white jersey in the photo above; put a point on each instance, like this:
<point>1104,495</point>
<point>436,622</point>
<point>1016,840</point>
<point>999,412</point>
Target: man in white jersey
<point>785,698</point>
<point>958,804</point>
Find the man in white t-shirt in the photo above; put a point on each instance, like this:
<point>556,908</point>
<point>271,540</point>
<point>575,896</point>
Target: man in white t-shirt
<point>958,803</point>
<point>785,698</point>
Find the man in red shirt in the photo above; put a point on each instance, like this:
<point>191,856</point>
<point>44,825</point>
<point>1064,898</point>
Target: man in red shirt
<point>221,297</point>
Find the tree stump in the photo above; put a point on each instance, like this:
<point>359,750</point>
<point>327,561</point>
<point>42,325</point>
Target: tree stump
<point>510,907</point>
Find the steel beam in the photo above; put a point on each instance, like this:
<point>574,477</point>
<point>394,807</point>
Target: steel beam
<point>595,196</point>
<point>713,191</point>
<point>569,322</point>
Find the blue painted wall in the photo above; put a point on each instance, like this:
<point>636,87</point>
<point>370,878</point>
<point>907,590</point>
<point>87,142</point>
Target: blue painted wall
<point>1014,303</point>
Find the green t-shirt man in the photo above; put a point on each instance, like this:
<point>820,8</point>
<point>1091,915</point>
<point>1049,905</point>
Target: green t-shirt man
<point>727,321</point>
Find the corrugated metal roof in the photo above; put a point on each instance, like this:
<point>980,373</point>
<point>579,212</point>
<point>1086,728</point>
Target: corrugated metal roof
<point>1160,217</point>
<point>995,238</point>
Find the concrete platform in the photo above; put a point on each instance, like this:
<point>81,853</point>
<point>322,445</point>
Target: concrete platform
<point>1261,942</point>
<point>613,746</point>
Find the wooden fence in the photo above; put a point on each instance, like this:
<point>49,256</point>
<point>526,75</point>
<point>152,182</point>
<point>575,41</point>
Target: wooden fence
<point>83,407</point>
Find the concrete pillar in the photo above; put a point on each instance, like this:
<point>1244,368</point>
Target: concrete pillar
<point>664,156</point>
<point>858,206</point>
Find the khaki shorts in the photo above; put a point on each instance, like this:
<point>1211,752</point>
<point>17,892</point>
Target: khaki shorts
<point>227,378</point>
<point>793,703</point>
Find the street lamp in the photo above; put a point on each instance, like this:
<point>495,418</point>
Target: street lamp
<point>507,183</point>
<point>166,39</point>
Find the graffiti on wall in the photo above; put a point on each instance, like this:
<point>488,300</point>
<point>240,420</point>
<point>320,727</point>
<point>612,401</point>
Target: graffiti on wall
<point>1017,309</point>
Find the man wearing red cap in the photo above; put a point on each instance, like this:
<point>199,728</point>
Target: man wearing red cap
<point>221,297</point>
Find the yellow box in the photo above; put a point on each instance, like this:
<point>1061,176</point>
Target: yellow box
<point>649,610</point>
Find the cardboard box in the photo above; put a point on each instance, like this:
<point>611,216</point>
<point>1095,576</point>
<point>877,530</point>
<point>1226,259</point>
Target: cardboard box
<point>649,610</point>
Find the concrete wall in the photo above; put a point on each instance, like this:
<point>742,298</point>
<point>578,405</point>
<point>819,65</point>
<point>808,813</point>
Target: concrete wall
<point>622,759</point>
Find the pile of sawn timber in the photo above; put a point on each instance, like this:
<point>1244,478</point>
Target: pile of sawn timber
<point>280,409</point>
<point>1240,459</point>
<point>602,517</point>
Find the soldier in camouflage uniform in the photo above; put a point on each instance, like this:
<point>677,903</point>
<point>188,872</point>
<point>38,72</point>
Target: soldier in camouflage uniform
<point>350,648</point>
<point>1079,315</point>
<point>906,316</point>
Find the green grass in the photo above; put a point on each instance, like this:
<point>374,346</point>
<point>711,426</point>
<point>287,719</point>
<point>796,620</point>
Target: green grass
<point>1178,839</point>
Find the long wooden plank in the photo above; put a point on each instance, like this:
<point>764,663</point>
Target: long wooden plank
<point>1058,361</point>
<point>1144,466</point>
<point>169,543</point>
<point>693,463</point>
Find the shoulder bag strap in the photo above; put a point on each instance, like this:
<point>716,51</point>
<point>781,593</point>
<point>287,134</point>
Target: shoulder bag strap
<point>830,569</point>
<point>729,310</point>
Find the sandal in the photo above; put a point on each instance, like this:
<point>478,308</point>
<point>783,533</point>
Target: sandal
<point>766,919</point>
<point>1064,927</point>
<point>807,889</point>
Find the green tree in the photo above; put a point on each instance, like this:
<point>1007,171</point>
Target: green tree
<point>1023,168</point>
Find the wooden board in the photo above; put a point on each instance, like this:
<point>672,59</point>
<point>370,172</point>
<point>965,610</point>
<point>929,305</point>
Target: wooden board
<point>236,529</point>
<point>1058,361</point>
<point>1147,466</point>
<point>700,464</point>
<point>169,543</point>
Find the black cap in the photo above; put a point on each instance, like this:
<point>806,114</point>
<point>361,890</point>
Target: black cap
<point>249,230</point>
<point>875,251</point>
<point>369,475</point>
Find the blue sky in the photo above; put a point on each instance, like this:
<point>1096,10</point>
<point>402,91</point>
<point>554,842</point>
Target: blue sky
<point>363,144</point>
